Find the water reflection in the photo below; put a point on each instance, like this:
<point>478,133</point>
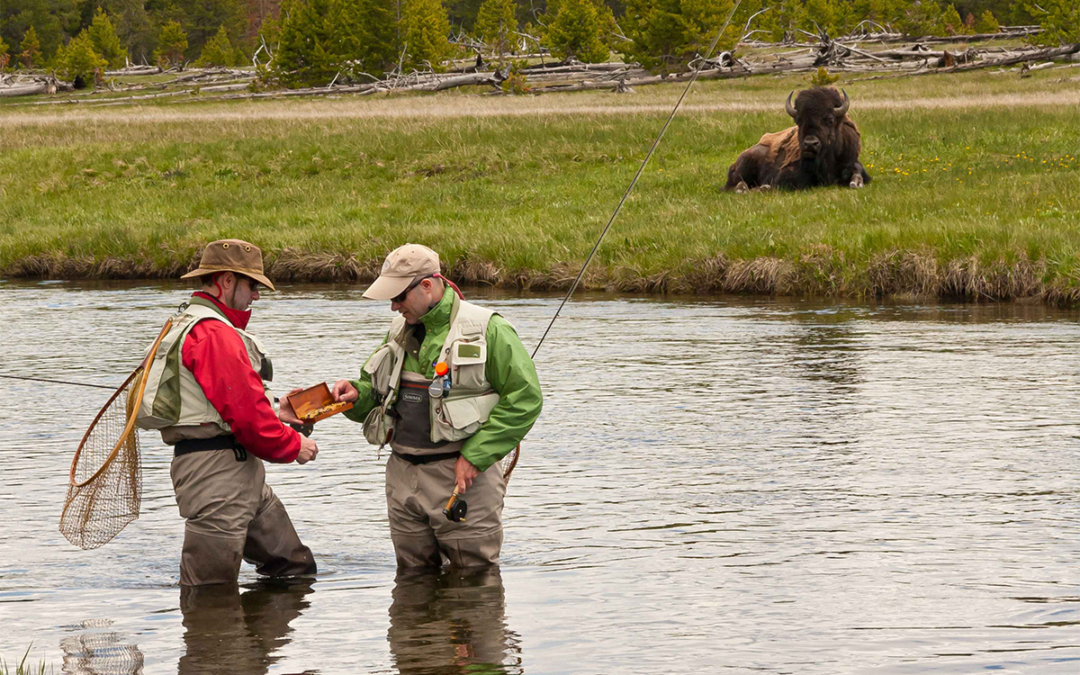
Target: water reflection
<point>93,653</point>
<point>234,633</point>
<point>452,621</point>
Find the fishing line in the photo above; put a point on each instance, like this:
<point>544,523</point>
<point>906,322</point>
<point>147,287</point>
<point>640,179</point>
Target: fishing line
<point>41,379</point>
<point>641,169</point>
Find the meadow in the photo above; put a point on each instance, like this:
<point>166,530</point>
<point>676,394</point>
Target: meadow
<point>975,192</point>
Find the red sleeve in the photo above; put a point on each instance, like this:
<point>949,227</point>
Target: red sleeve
<point>215,354</point>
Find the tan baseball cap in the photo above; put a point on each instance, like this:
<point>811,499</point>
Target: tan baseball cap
<point>403,266</point>
<point>231,255</point>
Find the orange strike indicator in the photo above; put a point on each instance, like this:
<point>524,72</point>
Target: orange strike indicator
<point>441,369</point>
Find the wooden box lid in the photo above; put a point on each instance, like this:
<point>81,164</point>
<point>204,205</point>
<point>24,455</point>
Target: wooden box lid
<point>316,403</point>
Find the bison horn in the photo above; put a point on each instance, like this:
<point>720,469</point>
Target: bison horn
<point>845,103</point>
<point>789,107</point>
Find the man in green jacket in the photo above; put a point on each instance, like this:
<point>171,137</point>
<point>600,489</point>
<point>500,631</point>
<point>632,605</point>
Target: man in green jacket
<point>452,391</point>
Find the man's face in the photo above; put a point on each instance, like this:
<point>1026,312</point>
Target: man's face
<point>237,291</point>
<point>245,292</point>
<point>417,300</point>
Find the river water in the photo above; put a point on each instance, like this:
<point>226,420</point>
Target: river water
<point>715,485</point>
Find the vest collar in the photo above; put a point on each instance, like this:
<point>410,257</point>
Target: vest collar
<point>237,318</point>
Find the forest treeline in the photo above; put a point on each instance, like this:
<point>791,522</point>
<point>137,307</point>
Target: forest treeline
<point>310,42</point>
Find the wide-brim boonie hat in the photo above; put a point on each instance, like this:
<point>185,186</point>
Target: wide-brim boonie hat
<point>402,267</point>
<point>232,255</point>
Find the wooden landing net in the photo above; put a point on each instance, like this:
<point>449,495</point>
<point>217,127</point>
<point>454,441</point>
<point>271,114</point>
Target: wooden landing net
<point>105,483</point>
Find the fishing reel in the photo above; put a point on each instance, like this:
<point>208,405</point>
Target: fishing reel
<point>305,429</point>
<point>456,508</point>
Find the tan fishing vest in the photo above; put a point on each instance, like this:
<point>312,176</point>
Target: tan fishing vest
<point>173,401</point>
<point>456,413</point>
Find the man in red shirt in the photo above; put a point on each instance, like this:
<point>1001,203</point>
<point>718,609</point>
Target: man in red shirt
<point>206,393</point>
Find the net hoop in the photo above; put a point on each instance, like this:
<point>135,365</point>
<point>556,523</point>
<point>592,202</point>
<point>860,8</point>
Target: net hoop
<point>131,419</point>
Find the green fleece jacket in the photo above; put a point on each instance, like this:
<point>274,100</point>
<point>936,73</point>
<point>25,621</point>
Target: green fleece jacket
<point>509,369</point>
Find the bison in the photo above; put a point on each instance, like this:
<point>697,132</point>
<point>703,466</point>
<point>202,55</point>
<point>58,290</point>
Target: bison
<point>821,149</point>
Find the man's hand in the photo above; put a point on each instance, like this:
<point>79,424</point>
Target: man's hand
<point>285,410</point>
<point>308,451</point>
<point>345,391</point>
<point>464,474</point>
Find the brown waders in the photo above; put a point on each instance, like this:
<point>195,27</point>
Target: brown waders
<point>233,515</point>
<point>419,480</point>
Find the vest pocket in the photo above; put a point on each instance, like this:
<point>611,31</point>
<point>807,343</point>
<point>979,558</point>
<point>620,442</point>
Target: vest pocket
<point>377,427</point>
<point>380,368</point>
<point>464,416</point>
<point>468,360</point>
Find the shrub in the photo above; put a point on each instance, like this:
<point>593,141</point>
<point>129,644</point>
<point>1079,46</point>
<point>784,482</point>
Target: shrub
<point>668,34</point>
<point>30,49</point>
<point>79,61</point>
<point>1060,21</point>
<point>425,29</point>
<point>218,51</point>
<point>987,23</point>
<point>171,45</point>
<point>106,43</point>
<point>579,30</point>
<point>822,78</point>
<point>305,55</point>
<point>496,24</point>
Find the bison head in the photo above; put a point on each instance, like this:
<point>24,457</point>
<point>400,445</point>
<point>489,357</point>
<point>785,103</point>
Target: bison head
<point>818,113</point>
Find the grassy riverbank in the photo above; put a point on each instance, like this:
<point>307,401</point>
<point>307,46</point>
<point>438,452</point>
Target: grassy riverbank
<point>976,189</point>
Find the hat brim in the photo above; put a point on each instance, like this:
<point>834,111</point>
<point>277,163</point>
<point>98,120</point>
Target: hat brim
<point>387,288</point>
<point>203,271</point>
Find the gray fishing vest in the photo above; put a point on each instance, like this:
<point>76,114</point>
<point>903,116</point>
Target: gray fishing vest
<point>173,401</point>
<point>409,418</point>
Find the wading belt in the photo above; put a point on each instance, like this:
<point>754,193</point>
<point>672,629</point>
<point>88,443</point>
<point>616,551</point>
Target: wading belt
<point>228,442</point>
<point>426,459</point>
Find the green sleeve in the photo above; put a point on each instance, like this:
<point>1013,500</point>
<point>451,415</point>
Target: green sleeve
<point>511,372</point>
<point>367,400</point>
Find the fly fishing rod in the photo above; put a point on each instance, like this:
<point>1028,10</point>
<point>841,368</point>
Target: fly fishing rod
<point>42,379</point>
<point>641,170</point>
<point>456,508</point>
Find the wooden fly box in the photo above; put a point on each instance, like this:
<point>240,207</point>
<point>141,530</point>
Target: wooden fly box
<point>316,403</point>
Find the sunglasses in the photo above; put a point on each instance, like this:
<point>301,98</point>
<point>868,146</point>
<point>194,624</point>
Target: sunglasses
<point>400,297</point>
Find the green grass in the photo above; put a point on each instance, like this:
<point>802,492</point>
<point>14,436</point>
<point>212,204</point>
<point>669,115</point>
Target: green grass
<point>972,198</point>
<point>24,668</point>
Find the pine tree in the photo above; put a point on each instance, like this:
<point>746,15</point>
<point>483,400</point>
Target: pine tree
<point>579,29</point>
<point>987,23</point>
<point>30,49</point>
<point>305,54</point>
<point>1060,21</point>
<point>668,34</point>
<point>364,35</point>
<point>790,16</point>
<point>951,20</point>
<point>133,26</point>
<point>172,44</point>
<point>106,43</point>
<point>201,20</point>
<point>922,18</point>
<point>425,30</point>
<point>218,51</point>
<point>80,60</point>
<point>496,24</point>
<point>4,58</point>
<point>822,13</point>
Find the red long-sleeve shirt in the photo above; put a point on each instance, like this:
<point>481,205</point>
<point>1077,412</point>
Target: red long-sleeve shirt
<point>216,356</point>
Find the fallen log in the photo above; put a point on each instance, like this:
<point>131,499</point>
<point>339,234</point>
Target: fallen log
<point>1038,55</point>
<point>27,89</point>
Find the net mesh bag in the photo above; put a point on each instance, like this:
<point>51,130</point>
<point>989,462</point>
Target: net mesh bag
<point>509,462</point>
<point>105,484</point>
